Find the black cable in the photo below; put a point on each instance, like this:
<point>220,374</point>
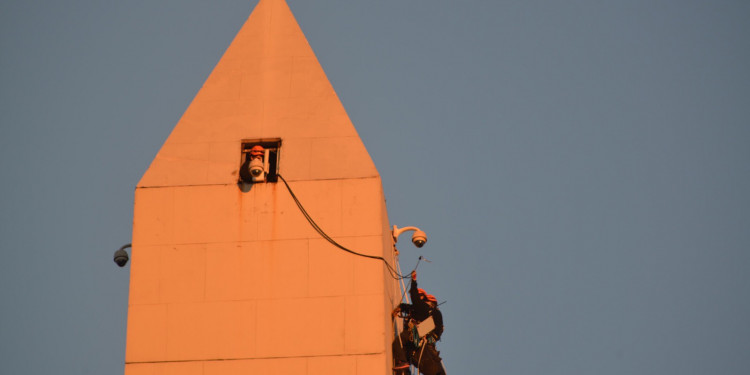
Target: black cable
<point>394,274</point>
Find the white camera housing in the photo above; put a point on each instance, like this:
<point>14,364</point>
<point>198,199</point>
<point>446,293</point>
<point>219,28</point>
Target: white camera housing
<point>419,238</point>
<point>257,170</point>
<point>258,167</point>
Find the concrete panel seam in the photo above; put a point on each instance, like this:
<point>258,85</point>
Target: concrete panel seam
<point>234,184</point>
<point>251,241</point>
<point>259,358</point>
<point>258,299</point>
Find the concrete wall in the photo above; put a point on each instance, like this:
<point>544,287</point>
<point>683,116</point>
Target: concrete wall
<point>226,280</point>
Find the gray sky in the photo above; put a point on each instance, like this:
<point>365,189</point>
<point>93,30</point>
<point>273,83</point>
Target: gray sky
<point>582,169</point>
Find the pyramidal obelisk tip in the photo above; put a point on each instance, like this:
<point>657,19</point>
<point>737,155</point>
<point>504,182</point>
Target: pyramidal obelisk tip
<point>268,84</point>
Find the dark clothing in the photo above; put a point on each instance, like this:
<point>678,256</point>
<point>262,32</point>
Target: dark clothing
<point>429,361</point>
<point>403,347</point>
<point>409,347</point>
<point>421,310</point>
<point>437,317</point>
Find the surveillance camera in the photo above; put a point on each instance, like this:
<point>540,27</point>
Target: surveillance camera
<point>121,257</point>
<point>257,170</point>
<point>419,238</point>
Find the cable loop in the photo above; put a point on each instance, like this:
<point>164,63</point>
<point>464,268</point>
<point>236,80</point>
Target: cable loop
<point>392,271</point>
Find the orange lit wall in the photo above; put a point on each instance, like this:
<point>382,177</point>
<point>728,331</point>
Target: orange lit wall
<point>227,280</point>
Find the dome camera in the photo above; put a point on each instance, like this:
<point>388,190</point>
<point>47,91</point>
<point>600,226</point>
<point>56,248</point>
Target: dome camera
<point>121,256</point>
<point>419,238</point>
<point>256,168</point>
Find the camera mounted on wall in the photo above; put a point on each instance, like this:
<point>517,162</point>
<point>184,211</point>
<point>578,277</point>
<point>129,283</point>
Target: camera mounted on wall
<point>260,160</point>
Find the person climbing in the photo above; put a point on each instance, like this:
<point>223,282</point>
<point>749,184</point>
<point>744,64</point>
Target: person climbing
<point>423,327</point>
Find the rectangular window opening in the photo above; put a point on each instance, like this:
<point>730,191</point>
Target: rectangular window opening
<point>269,157</point>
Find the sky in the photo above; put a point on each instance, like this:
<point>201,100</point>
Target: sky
<point>581,168</point>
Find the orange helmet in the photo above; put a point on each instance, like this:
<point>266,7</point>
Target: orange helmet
<point>428,297</point>
<point>257,151</point>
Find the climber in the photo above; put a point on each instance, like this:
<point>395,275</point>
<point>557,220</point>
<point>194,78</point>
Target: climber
<point>423,327</point>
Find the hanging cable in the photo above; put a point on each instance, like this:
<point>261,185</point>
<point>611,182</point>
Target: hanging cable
<point>392,271</point>
<point>401,283</point>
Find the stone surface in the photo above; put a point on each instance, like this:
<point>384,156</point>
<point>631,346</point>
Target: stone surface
<point>232,279</point>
